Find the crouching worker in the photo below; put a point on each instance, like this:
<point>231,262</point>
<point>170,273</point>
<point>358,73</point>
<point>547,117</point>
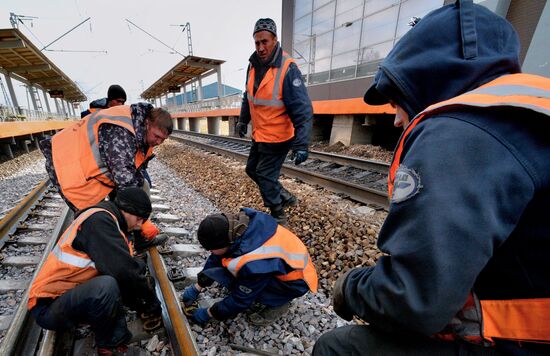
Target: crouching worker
<point>91,273</point>
<point>257,260</point>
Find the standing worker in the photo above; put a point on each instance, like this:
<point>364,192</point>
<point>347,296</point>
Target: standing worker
<point>262,264</point>
<point>277,102</point>
<point>467,234</point>
<point>104,152</point>
<point>91,273</point>
<point>115,96</point>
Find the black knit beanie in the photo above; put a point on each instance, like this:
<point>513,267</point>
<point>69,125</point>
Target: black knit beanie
<point>213,232</point>
<point>134,201</point>
<point>116,92</point>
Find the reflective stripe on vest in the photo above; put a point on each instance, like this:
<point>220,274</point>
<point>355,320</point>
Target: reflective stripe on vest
<point>65,267</point>
<point>512,319</point>
<point>286,246</point>
<point>270,121</point>
<point>525,91</point>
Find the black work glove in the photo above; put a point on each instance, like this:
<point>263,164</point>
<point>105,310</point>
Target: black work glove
<point>339,300</point>
<point>298,156</point>
<point>241,129</point>
<point>203,280</point>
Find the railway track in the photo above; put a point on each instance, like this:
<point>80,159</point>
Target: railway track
<point>361,180</point>
<point>28,232</point>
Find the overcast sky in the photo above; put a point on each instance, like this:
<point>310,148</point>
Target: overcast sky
<point>221,29</point>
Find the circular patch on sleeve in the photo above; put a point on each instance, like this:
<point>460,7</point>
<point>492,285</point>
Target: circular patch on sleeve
<point>297,82</point>
<point>406,185</point>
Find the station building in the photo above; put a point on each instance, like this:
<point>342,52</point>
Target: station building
<point>338,45</point>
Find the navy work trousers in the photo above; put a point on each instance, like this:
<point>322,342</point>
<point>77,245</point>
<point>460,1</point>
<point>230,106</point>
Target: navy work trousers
<point>96,302</point>
<point>366,340</point>
<point>264,168</point>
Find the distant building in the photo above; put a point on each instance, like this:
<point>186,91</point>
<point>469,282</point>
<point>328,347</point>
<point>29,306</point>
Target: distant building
<point>208,92</point>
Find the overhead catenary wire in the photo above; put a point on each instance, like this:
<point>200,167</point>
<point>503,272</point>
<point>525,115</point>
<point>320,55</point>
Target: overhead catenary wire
<point>150,35</point>
<point>75,50</point>
<point>63,35</point>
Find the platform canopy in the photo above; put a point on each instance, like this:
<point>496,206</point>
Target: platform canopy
<point>25,62</point>
<point>188,70</point>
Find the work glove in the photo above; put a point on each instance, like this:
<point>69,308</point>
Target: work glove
<point>200,316</point>
<point>338,299</point>
<point>149,230</point>
<point>203,280</point>
<point>241,129</point>
<point>190,295</point>
<point>298,156</point>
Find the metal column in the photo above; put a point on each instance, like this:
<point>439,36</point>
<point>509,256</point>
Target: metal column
<point>12,93</point>
<point>220,84</point>
<point>46,100</point>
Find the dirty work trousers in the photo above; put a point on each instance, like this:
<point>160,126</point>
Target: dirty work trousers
<point>96,302</point>
<point>264,167</point>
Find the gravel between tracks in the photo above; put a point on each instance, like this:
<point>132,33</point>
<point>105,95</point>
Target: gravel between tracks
<point>339,234</point>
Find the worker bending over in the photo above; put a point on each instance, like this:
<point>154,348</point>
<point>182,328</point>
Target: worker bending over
<point>257,260</point>
<point>105,152</point>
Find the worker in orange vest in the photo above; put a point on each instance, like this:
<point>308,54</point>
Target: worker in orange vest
<point>264,266</point>
<point>115,96</point>
<point>467,236</point>
<point>104,152</point>
<point>277,102</point>
<point>91,273</point>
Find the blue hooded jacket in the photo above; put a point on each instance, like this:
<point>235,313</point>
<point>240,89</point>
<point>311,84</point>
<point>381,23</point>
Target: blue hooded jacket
<point>256,281</point>
<point>474,218</point>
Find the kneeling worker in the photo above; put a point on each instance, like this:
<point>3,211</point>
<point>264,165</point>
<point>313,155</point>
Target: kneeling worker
<point>91,272</point>
<point>259,262</point>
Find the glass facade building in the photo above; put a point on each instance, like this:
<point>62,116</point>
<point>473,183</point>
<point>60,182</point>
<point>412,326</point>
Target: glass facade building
<point>336,40</point>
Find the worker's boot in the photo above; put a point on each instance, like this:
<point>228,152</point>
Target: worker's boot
<point>268,315</point>
<point>278,212</point>
<point>287,199</point>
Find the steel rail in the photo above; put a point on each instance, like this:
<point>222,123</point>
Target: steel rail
<point>361,163</point>
<point>354,191</point>
<point>9,223</point>
<point>176,324</point>
<point>22,325</point>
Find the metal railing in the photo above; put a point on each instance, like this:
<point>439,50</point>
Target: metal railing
<point>226,102</point>
<point>10,113</point>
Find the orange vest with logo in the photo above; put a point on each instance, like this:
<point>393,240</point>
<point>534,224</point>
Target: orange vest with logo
<point>270,121</point>
<point>83,177</point>
<point>512,319</point>
<point>65,268</point>
<point>286,246</point>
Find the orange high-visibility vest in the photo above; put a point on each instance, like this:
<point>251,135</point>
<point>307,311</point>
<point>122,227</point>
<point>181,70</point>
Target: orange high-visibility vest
<point>512,319</point>
<point>83,177</point>
<point>286,246</point>
<point>270,121</point>
<point>65,268</point>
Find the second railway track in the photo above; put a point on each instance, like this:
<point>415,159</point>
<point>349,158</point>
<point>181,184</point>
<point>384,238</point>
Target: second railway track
<point>359,179</point>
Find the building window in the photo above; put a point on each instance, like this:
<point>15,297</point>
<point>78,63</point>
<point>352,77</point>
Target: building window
<point>346,39</point>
